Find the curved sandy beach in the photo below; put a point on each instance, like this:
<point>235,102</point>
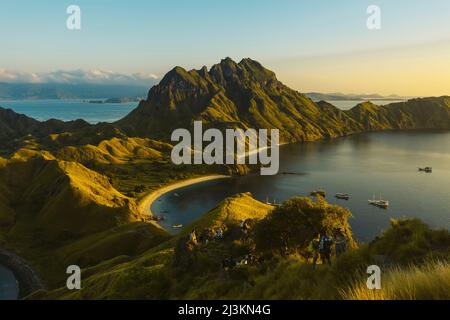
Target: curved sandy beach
<point>145,204</point>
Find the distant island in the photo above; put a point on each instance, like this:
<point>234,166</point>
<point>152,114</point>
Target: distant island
<point>116,100</point>
<point>133,93</point>
<point>317,96</point>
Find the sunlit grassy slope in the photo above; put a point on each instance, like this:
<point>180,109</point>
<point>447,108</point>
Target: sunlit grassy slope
<point>114,151</point>
<point>51,185</point>
<point>426,282</point>
<point>156,274</point>
<point>106,280</point>
<point>232,211</point>
<point>57,213</point>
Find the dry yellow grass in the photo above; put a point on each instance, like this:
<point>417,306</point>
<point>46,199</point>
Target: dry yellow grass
<point>115,151</point>
<point>62,196</point>
<point>428,282</point>
<point>232,211</point>
<point>31,152</point>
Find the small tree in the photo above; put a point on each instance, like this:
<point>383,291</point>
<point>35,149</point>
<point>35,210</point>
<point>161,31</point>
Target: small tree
<point>291,227</point>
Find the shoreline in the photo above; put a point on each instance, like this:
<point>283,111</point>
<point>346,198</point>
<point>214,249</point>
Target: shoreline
<point>145,204</point>
<point>26,276</point>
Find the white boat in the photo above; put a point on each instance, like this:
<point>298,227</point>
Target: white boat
<point>379,203</point>
<point>177,226</point>
<point>274,203</point>
<point>344,196</point>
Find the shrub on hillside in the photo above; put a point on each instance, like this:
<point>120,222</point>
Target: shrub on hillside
<point>142,283</point>
<point>291,227</point>
<point>411,240</point>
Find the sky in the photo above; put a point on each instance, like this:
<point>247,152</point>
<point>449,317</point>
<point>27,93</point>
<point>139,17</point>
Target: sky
<point>320,45</point>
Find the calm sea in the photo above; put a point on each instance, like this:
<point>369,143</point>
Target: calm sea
<point>363,165</point>
<point>70,109</point>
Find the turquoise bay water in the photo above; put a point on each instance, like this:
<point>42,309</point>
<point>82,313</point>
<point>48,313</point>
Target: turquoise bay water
<point>70,109</point>
<point>362,165</point>
<point>9,289</point>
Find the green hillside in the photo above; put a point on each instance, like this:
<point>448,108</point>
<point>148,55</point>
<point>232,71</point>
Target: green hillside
<point>247,95</point>
<point>180,269</point>
<point>69,193</point>
<point>51,205</point>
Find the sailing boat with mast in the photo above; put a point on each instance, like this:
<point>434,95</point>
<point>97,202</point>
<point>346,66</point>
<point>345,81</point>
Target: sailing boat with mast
<point>379,203</point>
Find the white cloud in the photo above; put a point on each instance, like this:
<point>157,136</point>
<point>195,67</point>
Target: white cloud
<point>78,76</point>
<point>11,76</point>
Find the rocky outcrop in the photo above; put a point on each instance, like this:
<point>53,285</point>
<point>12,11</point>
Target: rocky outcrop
<point>27,277</point>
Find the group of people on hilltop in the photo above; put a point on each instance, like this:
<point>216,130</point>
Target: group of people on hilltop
<point>206,235</point>
<point>322,247</point>
<point>230,262</point>
<point>215,234</point>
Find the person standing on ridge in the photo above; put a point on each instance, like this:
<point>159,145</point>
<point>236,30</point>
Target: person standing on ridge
<point>325,246</point>
<point>314,248</point>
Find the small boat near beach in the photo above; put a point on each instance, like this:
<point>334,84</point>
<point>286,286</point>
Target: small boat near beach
<point>274,203</point>
<point>343,196</point>
<point>426,169</point>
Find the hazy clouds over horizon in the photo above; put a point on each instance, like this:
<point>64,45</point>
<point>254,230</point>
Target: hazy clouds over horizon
<point>78,77</point>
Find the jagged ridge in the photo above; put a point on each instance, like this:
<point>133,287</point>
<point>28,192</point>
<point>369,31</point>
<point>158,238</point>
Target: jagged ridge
<point>245,94</point>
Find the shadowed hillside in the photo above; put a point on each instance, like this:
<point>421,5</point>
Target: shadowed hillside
<point>426,113</point>
<point>13,125</point>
